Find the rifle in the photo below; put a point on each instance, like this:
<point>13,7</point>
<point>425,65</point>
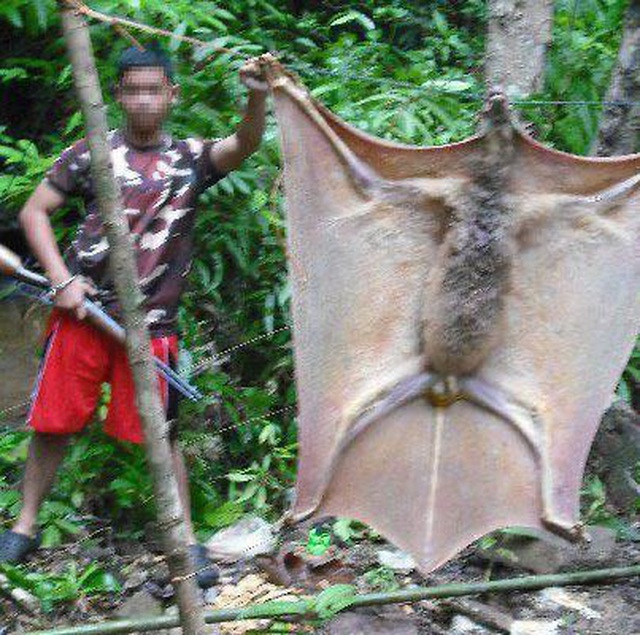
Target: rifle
<point>11,265</point>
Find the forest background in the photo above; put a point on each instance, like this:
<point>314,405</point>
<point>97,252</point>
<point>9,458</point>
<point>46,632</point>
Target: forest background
<point>408,71</point>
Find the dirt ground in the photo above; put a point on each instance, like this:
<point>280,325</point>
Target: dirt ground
<point>587,610</point>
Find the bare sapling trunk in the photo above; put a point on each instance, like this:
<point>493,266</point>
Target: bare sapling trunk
<point>123,269</point>
<point>619,128</point>
<point>519,33</point>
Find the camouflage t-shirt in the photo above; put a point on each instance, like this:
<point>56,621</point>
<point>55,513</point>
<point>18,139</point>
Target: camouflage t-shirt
<point>159,186</point>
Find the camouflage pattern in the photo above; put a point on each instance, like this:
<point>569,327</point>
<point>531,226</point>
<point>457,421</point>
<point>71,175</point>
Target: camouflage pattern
<point>160,187</point>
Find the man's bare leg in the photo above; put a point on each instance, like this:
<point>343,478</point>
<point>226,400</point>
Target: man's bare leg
<point>46,452</point>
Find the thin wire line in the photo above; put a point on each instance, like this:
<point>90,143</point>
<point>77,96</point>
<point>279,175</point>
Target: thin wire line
<point>197,368</point>
<point>576,102</point>
<point>211,359</point>
<point>263,417</point>
<point>471,96</point>
<point>17,406</point>
<point>267,416</point>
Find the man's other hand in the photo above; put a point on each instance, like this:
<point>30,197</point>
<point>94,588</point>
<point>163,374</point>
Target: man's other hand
<point>72,298</point>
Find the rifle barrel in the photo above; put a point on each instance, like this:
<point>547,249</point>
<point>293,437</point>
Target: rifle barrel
<point>10,264</point>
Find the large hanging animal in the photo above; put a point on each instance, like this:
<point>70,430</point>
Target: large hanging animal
<point>461,317</point>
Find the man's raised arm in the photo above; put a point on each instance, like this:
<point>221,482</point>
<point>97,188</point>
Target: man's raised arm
<point>230,152</point>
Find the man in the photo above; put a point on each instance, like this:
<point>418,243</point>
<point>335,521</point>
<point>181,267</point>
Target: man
<point>160,179</point>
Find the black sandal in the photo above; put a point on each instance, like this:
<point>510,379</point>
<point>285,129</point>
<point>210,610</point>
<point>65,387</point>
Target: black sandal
<point>15,547</point>
<point>207,573</point>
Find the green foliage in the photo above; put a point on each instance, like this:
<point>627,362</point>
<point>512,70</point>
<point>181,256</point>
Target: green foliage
<point>33,16</point>
<point>57,522</point>
<point>595,510</point>
<point>594,502</point>
<point>13,447</point>
<point>630,381</point>
<point>349,531</point>
<point>318,541</point>
<point>24,167</point>
<point>13,452</point>
<point>382,579</point>
<point>85,486</point>
<point>67,586</point>
<point>585,43</point>
<point>498,544</point>
<point>259,484</point>
<point>220,516</point>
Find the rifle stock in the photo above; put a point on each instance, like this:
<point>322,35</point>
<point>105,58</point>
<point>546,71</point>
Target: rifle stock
<point>9,262</point>
<point>11,265</point>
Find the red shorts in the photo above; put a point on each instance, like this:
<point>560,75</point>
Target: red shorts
<point>77,360</point>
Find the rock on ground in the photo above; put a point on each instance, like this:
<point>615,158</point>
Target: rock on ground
<point>553,555</point>
<point>390,621</point>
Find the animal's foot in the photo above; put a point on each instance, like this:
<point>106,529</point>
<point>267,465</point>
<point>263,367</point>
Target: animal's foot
<point>572,532</point>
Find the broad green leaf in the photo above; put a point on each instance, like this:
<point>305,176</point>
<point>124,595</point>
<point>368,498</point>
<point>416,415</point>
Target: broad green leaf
<point>354,16</point>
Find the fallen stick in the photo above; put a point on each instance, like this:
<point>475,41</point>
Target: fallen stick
<point>305,608</point>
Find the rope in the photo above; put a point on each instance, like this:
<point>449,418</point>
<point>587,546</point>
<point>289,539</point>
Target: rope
<point>115,21</point>
<point>119,24</point>
<point>577,102</point>
<point>264,417</point>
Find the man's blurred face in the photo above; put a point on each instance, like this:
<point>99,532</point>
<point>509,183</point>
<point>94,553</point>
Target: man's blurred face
<point>145,94</point>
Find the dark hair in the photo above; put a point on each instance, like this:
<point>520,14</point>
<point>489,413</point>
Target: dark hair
<point>151,55</point>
